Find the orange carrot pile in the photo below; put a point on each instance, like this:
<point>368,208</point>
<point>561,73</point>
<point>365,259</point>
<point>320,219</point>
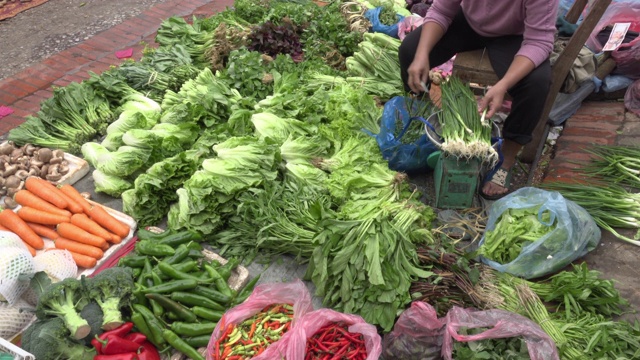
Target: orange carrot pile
<point>62,215</point>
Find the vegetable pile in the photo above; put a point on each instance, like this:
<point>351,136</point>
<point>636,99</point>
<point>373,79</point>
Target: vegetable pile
<point>334,341</point>
<point>252,336</point>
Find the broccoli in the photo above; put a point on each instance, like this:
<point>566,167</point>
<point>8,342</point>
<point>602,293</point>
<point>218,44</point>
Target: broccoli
<point>112,289</point>
<point>63,299</point>
<point>93,314</point>
<point>49,340</point>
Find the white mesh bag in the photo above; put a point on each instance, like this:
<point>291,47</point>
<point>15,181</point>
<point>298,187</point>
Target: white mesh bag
<point>58,264</point>
<point>15,318</point>
<point>16,267</point>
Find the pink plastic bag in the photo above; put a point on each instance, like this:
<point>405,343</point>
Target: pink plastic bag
<point>408,24</point>
<point>313,321</point>
<point>627,56</point>
<point>295,293</point>
<point>503,324</point>
<point>420,335</point>
<point>417,335</point>
<point>632,98</point>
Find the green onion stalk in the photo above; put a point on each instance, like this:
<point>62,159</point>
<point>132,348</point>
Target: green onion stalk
<point>466,134</point>
<point>619,164</point>
<point>611,206</point>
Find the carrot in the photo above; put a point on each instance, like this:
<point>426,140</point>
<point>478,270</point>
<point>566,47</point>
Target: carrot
<point>74,246</point>
<point>72,232</point>
<point>115,239</point>
<point>74,194</point>
<point>30,248</point>
<point>72,205</point>
<point>82,221</point>
<point>15,224</point>
<point>43,230</point>
<point>40,217</point>
<point>83,261</point>
<point>102,217</point>
<point>42,188</point>
<point>105,247</point>
<point>2,228</point>
<point>27,198</point>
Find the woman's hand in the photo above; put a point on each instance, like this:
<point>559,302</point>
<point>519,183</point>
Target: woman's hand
<point>492,100</point>
<point>418,73</point>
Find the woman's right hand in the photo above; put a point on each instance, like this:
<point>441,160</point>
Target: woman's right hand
<point>418,73</point>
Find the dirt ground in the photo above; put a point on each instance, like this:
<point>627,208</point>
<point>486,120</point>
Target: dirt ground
<point>56,25</point>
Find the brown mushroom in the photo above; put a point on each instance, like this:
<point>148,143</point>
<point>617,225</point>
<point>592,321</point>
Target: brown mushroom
<point>56,160</point>
<point>3,192</point>
<point>16,153</point>
<point>22,174</point>
<point>23,160</point>
<point>58,153</point>
<point>64,168</point>
<point>29,149</point>
<point>45,155</point>
<point>12,182</point>
<point>10,203</point>
<point>12,191</point>
<point>6,148</point>
<point>35,162</point>
<point>2,180</point>
<point>44,169</point>
<point>10,170</point>
<point>53,174</point>
<point>34,171</point>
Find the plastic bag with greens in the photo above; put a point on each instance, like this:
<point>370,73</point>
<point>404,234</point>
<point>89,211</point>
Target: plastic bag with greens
<point>533,232</point>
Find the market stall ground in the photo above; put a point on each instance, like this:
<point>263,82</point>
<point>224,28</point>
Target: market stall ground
<point>595,122</point>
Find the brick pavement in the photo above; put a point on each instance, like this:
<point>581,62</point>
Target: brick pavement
<point>595,122</point>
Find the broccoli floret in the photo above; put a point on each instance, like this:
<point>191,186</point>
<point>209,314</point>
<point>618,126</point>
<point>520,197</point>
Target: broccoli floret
<point>63,299</point>
<point>93,314</point>
<point>112,289</point>
<point>49,340</point>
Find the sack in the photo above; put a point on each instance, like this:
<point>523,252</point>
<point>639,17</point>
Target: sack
<point>373,15</point>
<point>295,293</point>
<point>313,321</point>
<point>420,335</point>
<point>627,56</point>
<point>406,157</point>
<point>632,98</point>
<point>575,234</point>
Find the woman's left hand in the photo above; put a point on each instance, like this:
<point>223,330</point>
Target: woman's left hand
<point>492,100</point>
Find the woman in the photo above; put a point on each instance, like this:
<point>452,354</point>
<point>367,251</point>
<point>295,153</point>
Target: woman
<point>518,36</point>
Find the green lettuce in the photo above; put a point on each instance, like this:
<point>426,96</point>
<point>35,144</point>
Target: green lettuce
<point>303,149</point>
<point>91,151</point>
<point>279,129</point>
<point>124,162</point>
<point>109,184</point>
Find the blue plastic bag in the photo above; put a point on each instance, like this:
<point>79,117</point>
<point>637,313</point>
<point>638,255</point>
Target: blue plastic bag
<point>401,156</point>
<point>373,15</point>
<point>575,234</point>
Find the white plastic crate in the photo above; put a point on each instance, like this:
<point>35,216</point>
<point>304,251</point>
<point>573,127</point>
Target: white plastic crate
<point>18,353</point>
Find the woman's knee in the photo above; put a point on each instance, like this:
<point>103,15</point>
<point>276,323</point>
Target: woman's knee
<point>408,47</point>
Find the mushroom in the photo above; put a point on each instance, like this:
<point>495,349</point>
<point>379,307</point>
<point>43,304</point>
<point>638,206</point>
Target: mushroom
<point>10,203</point>
<point>14,190</point>
<point>36,162</point>
<point>58,153</point>
<point>10,170</point>
<point>44,169</point>
<point>29,149</point>
<point>2,180</point>
<point>53,174</point>
<point>22,174</point>
<point>5,158</point>
<point>3,192</point>
<point>6,148</point>
<point>56,160</point>
<point>45,155</point>
<point>64,168</point>
<point>24,160</point>
<point>16,153</point>
<point>34,171</point>
<point>12,182</point>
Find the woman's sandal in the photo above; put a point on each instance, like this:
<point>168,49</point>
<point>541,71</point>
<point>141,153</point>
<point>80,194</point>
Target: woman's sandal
<point>499,176</point>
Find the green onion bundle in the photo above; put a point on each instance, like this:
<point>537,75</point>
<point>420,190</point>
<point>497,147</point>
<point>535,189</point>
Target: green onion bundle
<point>609,205</point>
<point>620,164</point>
<point>466,134</point>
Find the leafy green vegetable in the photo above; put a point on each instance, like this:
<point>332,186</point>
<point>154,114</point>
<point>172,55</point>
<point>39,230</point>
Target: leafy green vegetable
<point>123,162</point>
<point>110,184</point>
<point>278,129</point>
<point>247,72</point>
<point>49,340</point>
<point>63,300</point>
<point>92,151</point>
<point>501,348</point>
<point>130,119</point>
<point>112,289</point>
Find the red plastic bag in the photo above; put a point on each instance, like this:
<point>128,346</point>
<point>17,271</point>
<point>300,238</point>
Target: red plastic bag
<point>313,321</point>
<point>632,98</point>
<point>627,56</point>
<point>295,293</point>
<point>502,324</point>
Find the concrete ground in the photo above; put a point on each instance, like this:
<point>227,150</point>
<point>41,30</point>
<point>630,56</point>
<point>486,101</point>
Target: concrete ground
<point>595,122</point>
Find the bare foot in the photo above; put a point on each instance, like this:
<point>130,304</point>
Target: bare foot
<point>492,189</point>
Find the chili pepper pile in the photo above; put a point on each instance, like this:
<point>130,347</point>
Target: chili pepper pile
<point>179,294</point>
<point>122,344</point>
<point>334,342</point>
<point>252,336</point>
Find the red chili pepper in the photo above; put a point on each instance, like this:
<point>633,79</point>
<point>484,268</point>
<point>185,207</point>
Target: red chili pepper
<point>120,331</point>
<point>97,345</point>
<point>127,356</point>
<point>113,345</point>
<point>136,337</point>
<point>148,352</point>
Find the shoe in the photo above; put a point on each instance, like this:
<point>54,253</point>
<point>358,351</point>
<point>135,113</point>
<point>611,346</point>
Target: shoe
<point>499,176</point>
